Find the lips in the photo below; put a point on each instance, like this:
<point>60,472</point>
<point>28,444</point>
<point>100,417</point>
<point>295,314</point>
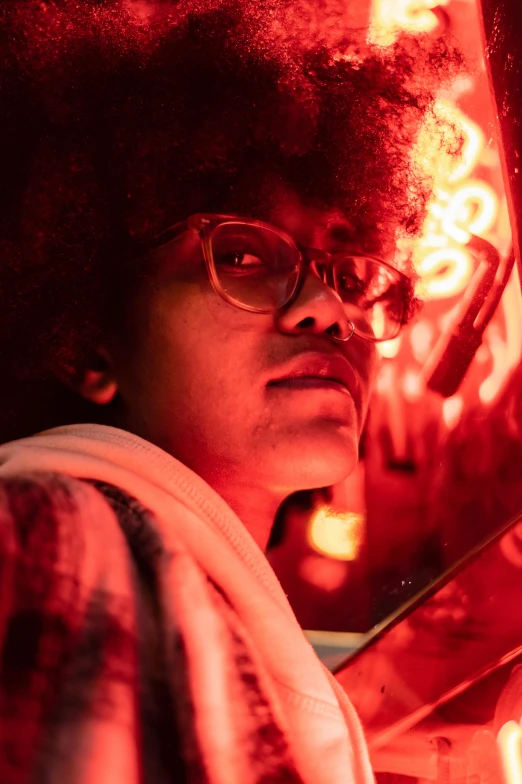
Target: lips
<point>310,370</point>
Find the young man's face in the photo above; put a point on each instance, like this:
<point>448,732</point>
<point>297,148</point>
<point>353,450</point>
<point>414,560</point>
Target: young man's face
<point>203,379</point>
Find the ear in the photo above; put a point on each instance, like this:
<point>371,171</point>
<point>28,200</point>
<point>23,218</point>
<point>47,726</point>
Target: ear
<point>95,381</point>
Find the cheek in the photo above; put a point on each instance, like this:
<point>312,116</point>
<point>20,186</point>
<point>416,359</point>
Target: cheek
<point>193,343</point>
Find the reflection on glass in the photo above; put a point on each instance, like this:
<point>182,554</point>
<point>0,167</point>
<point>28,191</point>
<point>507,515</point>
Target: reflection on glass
<point>450,668</point>
<point>439,687</point>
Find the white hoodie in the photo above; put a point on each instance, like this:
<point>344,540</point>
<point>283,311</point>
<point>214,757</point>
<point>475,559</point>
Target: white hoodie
<point>321,726</point>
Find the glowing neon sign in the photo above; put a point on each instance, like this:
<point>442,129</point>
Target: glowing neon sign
<point>509,741</point>
<point>415,16</point>
<point>444,272</point>
<point>460,208</point>
<point>463,205</point>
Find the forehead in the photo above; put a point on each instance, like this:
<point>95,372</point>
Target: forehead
<point>315,227</point>
<point>310,226</point>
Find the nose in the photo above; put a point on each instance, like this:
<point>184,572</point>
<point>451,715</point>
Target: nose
<point>317,309</point>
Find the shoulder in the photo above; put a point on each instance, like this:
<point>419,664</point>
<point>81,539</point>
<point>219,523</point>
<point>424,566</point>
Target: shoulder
<point>53,529</point>
<point>26,493</point>
<point>41,507</point>
<point>60,546</point>
<point>64,608</point>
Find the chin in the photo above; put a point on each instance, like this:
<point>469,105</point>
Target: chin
<point>317,463</point>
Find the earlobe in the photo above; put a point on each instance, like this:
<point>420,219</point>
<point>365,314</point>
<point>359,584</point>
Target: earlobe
<point>95,381</point>
<point>98,387</point>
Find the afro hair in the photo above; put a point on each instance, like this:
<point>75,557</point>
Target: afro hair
<point>122,117</point>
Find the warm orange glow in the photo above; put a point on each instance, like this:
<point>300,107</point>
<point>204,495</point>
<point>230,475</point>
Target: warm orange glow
<point>389,17</point>
<point>445,272</point>
<point>378,319</point>
<point>460,207</point>
<point>452,410</point>
<point>389,348</point>
<point>429,152</point>
<point>337,534</point>
<point>463,205</point>
<point>471,210</point>
<point>421,337</point>
<point>412,385</point>
<point>325,574</point>
<point>385,379</point>
<point>472,145</point>
<point>509,741</point>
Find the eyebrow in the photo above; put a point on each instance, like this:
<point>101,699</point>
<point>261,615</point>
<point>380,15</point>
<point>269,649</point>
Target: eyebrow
<point>342,232</point>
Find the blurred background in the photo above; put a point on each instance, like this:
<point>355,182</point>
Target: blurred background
<point>439,469</point>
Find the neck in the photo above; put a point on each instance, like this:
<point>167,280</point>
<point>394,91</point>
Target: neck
<point>255,508</point>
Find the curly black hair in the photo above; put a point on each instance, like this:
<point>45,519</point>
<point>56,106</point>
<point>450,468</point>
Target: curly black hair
<point>122,117</point>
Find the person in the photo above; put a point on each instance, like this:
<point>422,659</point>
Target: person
<point>200,207</point>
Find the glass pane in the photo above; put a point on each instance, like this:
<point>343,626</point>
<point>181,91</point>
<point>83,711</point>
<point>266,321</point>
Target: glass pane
<point>441,448</point>
<point>446,666</point>
<point>413,566</point>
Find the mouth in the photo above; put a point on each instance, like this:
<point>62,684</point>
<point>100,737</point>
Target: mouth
<point>317,371</point>
<point>310,382</point>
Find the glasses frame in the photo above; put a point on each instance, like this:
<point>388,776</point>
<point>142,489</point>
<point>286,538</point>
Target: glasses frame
<point>322,262</point>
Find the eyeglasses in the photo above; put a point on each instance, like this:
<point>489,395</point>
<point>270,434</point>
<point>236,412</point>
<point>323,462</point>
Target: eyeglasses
<point>256,267</point>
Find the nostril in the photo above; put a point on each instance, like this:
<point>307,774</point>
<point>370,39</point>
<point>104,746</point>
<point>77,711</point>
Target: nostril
<point>334,330</point>
<point>306,322</point>
<point>337,333</point>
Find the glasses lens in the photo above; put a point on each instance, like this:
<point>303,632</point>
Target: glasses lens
<point>373,296</point>
<point>254,265</point>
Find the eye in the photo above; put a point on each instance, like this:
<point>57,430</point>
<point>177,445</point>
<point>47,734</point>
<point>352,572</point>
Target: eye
<point>239,259</point>
<point>349,284</point>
